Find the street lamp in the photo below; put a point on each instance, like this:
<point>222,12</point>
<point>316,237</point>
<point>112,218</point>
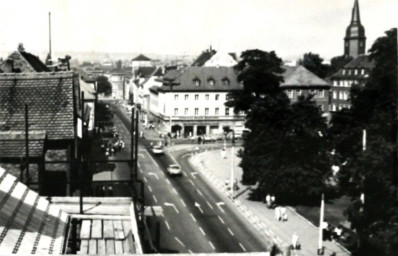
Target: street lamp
<point>232,164</point>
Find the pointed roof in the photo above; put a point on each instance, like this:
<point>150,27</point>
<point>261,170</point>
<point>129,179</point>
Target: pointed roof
<point>204,57</point>
<point>355,29</point>
<point>300,76</point>
<point>355,18</point>
<point>141,57</point>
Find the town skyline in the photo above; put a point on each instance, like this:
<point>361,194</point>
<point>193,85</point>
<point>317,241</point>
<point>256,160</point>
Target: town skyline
<point>190,27</point>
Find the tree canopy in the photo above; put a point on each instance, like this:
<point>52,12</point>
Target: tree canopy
<point>314,63</point>
<point>285,151</point>
<point>103,85</point>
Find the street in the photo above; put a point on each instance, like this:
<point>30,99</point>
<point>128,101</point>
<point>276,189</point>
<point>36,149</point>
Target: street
<point>194,217</point>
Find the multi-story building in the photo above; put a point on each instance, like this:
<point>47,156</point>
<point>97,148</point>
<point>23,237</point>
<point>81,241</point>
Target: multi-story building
<point>355,72</point>
<point>194,104</point>
<point>298,81</point>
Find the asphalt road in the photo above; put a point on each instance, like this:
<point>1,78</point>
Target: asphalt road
<point>194,218</point>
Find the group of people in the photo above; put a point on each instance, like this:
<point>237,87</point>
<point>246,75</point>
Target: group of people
<point>111,148</point>
<point>330,232</point>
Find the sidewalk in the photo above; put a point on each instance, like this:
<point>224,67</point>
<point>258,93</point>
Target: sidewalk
<point>217,170</point>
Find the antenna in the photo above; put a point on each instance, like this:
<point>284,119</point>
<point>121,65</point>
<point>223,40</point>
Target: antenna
<point>49,32</point>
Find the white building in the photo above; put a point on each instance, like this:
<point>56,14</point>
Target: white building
<point>195,103</point>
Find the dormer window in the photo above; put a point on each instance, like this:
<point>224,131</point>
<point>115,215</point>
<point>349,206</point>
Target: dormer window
<point>211,81</point>
<point>225,81</point>
<point>196,82</point>
<point>343,71</point>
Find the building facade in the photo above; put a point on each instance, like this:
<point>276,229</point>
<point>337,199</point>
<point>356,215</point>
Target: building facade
<point>355,39</point>
<point>355,72</point>
<point>195,103</point>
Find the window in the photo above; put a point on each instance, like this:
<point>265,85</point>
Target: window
<point>176,111</point>
<point>334,95</point>
<point>334,107</point>
<point>290,94</point>
<point>206,111</point>
<point>341,95</point>
<point>298,93</point>
<point>186,96</point>
<point>196,82</point>
<point>227,97</point>
<point>346,95</point>
<point>320,94</point>
<point>338,83</point>
<point>211,82</point>
<point>227,111</point>
<point>217,111</point>
<point>175,96</point>
<point>207,96</point>
<point>343,71</point>
<point>217,96</point>
<point>196,96</point>
<point>186,111</point>
<point>363,71</point>
<point>196,111</point>
<point>356,72</point>
<point>225,81</point>
<point>312,92</point>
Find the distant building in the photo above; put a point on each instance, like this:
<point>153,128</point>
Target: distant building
<point>195,103</point>
<point>355,39</point>
<point>355,72</point>
<point>146,78</point>
<point>212,58</point>
<point>21,61</point>
<point>140,61</point>
<point>299,81</point>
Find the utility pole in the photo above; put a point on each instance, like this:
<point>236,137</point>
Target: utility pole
<point>232,165</point>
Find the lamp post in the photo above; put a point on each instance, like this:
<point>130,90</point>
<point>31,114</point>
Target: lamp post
<point>321,250</point>
<point>232,164</point>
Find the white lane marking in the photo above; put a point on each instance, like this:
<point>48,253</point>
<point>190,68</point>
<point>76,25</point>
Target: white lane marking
<point>219,206</point>
<point>167,224</point>
<point>200,193</point>
<point>168,182</point>
<point>230,231</point>
<point>182,201</point>
<point>222,221</point>
<point>212,246</point>
<point>193,217</point>
<point>178,240</point>
<point>194,174</point>
<point>141,155</point>
<point>190,251</point>
<point>193,184</point>
<point>154,198</point>
<point>138,164</point>
<point>241,246</point>
<point>198,206</point>
<point>149,188</point>
<point>154,174</point>
<point>172,205</point>
<point>175,192</point>
<point>145,180</point>
<point>201,230</point>
<point>211,207</point>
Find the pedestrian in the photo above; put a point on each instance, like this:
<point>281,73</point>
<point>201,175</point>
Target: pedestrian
<point>273,201</point>
<point>268,201</point>
<point>141,134</point>
<point>295,242</point>
<point>283,213</point>
<point>277,214</point>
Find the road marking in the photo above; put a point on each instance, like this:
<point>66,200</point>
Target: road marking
<point>145,180</point>
<point>154,198</point>
<point>200,193</point>
<point>198,206</point>
<point>141,155</point>
<point>168,182</point>
<point>193,217</point>
<point>182,201</point>
<point>138,164</point>
<point>172,205</point>
<point>201,230</point>
<point>149,187</point>
<point>167,224</point>
<point>230,231</point>
<point>154,174</point>
<point>178,240</point>
<point>212,246</point>
<point>241,246</point>
<point>190,251</point>
<point>222,221</point>
<point>175,191</point>
<point>211,207</point>
<point>219,206</point>
<point>194,174</point>
<point>193,184</point>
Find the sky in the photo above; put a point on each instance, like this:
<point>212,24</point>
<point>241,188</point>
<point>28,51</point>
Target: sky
<point>288,27</point>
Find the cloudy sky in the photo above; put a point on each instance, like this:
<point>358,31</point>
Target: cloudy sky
<point>290,27</point>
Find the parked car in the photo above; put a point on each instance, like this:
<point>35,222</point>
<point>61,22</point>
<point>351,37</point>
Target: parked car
<point>174,170</point>
<point>209,138</point>
<point>157,150</point>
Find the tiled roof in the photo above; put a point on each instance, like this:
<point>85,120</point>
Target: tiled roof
<point>300,76</point>
<point>146,71</point>
<point>362,61</point>
<point>35,62</point>
<point>13,144</point>
<point>141,57</point>
<point>225,79</point>
<point>28,223</point>
<point>203,57</point>
<point>50,101</point>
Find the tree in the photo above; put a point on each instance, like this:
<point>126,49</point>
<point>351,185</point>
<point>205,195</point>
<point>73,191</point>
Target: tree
<point>103,85</point>
<point>373,171</point>
<point>314,63</point>
<point>283,152</point>
<point>337,63</point>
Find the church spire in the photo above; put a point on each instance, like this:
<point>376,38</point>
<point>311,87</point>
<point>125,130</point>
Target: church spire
<point>355,19</point>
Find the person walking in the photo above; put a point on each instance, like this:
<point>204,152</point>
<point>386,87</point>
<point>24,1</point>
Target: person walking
<point>295,243</point>
<point>277,214</point>
<point>268,201</point>
<point>283,213</point>
<point>273,204</point>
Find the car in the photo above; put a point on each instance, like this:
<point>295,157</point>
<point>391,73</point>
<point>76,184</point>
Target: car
<point>174,170</point>
<point>209,138</point>
<point>157,150</point>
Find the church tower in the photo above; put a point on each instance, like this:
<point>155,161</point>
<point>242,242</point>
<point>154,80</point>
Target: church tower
<point>355,39</point>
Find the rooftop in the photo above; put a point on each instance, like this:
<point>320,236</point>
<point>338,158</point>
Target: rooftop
<point>300,76</point>
<point>13,144</point>
<point>141,57</point>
